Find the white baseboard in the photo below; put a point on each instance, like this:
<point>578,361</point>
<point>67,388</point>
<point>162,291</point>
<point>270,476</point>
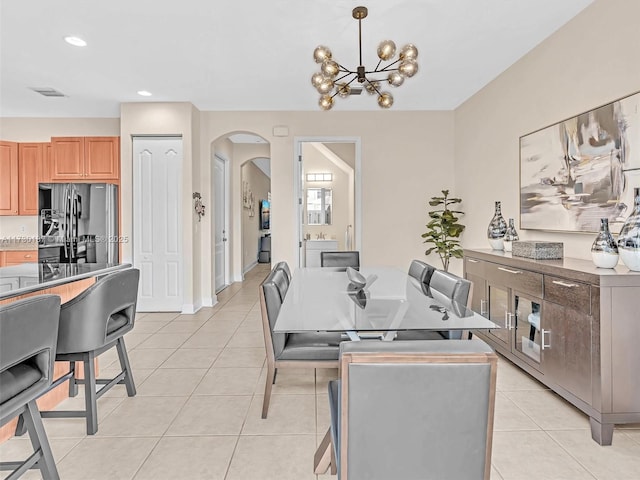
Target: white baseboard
<point>249,268</point>
<point>209,302</point>
<point>190,308</point>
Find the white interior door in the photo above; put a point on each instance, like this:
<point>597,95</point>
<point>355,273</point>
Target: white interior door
<point>157,222</point>
<point>219,169</point>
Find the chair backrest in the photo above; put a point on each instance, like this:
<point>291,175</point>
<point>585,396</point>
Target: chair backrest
<point>283,280</point>
<point>422,273</point>
<point>28,336</point>
<point>271,298</point>
<point>85,319</point>
<point>433,404</point>
<point>340,259</point>
<point>284,266</point>
<point>445,286</point>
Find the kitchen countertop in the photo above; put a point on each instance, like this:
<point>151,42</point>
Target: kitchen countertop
<point>31,277</point>
<point>18,244</point>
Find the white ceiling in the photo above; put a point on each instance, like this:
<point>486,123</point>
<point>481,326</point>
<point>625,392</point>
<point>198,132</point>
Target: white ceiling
<point>253,54</point>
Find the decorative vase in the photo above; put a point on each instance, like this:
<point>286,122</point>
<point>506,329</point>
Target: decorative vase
<point>604,251</point>
<point>510,236</point>
<point>497,229</point>
<point>629,238</point>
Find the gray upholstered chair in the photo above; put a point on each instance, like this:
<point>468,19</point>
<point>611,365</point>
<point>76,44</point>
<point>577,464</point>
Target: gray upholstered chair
<point>284,266</point>
<point>90,324</point>
<point>444,287</point>
<point>421,272</point>
<point>310,350</point>
<point>408,410</point>
<point>28,334</point>
<point>340,259</point>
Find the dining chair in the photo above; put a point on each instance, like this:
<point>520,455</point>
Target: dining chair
<point>90,324</point>
<point>340,259</point>
<point>407,410</point>
<point>444,287</point>
<point>421,272</point>
<point>295,350</point>
<point>284,266</point>
<point>28,335</point>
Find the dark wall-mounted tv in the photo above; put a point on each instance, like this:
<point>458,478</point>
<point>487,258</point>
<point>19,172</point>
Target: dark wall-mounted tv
<point>265,215</point>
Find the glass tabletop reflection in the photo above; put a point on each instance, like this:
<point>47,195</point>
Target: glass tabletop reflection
<point>323,299</point>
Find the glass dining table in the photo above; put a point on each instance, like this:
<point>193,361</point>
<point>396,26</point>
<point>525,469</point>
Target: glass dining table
<point>325,300</point>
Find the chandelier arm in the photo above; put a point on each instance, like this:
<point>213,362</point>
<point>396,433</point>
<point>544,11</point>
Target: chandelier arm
<point>387,68</point>
<point>373,85</point>
<point>378,65</point>
<point>345,75</point>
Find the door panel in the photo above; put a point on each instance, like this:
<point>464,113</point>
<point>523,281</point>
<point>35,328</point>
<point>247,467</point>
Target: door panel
<point>220,223</point>
<point>158,222</point>
<point>498,311</point>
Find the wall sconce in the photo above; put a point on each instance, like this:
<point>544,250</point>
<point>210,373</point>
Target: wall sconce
<point>199,207</point>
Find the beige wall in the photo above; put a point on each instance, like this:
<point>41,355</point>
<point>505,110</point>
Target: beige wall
<point>260,185</point>
<point>393,143</point>
<point>592,60</point>
<point>41,130</point>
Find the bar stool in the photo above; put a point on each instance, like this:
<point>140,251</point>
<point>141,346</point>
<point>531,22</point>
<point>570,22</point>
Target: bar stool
<point>28,333</point>
<point>90,324</point>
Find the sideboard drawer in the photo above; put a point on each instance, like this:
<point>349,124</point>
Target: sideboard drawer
<point>516,278</point>
<point>474,266</point>
<point>569,293</point>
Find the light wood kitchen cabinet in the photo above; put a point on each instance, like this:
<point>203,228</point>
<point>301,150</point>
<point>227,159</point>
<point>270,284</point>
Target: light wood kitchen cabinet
<point>570,325</point>
<point>30,164</point>
<point>18,257</point>
<point>8,178</point>
<point>85,158</point>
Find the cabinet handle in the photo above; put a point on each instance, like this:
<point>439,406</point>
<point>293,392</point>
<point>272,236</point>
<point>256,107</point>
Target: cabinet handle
<point>483,310</point>
<point>471,260</point>
<point>509,270</point>
<point>507,320</point>
<point>568,285</point>
<point>542,344</point>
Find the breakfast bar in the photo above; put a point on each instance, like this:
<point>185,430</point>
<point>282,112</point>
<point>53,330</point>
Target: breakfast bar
<point>67,281</point>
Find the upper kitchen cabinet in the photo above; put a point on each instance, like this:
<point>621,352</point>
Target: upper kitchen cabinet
<point>85,158</point>
<point>32,168</point>
<point>9,178</point>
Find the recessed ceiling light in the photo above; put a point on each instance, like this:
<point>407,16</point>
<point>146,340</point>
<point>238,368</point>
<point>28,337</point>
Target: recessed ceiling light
<point>144,93</point>
<point>75,41</point>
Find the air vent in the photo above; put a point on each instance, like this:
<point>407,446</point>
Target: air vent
<point>47,92</point>
<point>356,91</point>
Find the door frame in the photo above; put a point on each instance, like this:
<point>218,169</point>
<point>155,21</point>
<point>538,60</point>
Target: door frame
<point>227,215</point>
<point>298,207</point>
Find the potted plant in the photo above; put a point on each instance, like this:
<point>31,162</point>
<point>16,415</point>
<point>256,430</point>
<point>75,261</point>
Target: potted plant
<point>444,229</point>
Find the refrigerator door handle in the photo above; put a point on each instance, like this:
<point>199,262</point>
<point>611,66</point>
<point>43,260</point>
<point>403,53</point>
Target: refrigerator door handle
<point>65,223</point>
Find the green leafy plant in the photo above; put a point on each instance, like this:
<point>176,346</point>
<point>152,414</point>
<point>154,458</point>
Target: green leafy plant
<point>444,229</point>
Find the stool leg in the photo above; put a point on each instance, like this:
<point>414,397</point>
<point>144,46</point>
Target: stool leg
<point>126,367</point>
<point>90,397</point>
<point>21,429</point>
<point>39,441</point>
<point>73,385</point>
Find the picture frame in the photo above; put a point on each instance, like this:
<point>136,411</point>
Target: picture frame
<point>582,169</point>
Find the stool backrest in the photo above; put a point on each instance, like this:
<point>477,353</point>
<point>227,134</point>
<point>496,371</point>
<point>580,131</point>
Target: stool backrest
<point>28,335</point>
<point>85,318</point>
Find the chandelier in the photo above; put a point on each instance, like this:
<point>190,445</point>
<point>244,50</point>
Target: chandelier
<point>335,79</point>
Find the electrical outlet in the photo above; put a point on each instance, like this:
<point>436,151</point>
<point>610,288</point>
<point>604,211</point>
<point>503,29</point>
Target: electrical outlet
<point>22,228</point>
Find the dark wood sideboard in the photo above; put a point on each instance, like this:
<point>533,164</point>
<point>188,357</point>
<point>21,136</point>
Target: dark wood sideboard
<point>572,326</point>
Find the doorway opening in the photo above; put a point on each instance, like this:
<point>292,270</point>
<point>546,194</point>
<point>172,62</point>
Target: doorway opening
<point>327,186</point>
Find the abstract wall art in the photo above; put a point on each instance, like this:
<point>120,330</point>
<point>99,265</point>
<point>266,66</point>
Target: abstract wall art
<point>577,171</point>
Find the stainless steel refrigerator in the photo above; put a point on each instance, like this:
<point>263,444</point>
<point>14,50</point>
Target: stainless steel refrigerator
<point>78,223</point>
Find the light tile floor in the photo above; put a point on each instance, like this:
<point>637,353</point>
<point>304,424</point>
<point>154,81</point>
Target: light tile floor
<point>200,382</point>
